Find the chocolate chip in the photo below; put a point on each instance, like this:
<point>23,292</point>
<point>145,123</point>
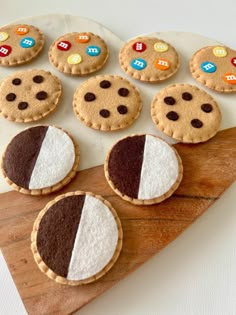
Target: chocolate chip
<point>38,79</point>
<point>169,100</point>
<point>207,108</point>
<point>105,113</point>
<point>16,81</point>
<point>172,116</point>
<point>122,109</point>
<point>105,84</point>
<point>196,123</point>
<point>42,95</point>
<point>187,96</point>
<point>123,92</point>
<point>22,105</point>
<point>11,97</point>
<point>89,97</point>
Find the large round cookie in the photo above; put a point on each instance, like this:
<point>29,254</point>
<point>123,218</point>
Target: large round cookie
<point>76,238</point>
<point>107,103</point>
<point>27,96</point>
<point>186,113</point>
<point>78,53</point>
<point>143,169</point>
<point>19,44</point>
<point>149,59</point>
<point>215,67</point>
<point>40,160</point>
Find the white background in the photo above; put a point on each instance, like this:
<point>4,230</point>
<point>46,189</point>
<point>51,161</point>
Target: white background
<point>196,274</point>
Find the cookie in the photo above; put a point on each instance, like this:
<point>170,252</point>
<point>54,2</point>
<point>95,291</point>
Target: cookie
<point>215,67</point>
<point>186,113</point>
<point>78,53</point>
<point>27,96</point>
<point>149,59</point>
<point>19,44</point>
<point>40,160</point>
<point>76,238</point>
<point>143,169</point>
<point>107,103</point>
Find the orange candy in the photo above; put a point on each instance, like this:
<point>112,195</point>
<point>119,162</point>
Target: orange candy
<point>83,38</point>
<point>162,64</point>
<point>22,30</point>
<point>230,78</point>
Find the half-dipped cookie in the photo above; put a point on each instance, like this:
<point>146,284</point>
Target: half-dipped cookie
<point>107,103</point>
<point>30,95</point>
<point>143,169</point>
<point>186,113</point>
<point>76,238</point>
<point>40,160</point>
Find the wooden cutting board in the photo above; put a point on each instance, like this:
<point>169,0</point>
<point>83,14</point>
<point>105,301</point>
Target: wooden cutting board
<point>209,168</point>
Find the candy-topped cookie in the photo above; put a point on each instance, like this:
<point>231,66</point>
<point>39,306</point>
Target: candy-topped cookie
<point>107,103</point>
<point>19,44</point>
<point>215,67</point>
<point>78,53</point>
<point>186,113</point>
<point>149,59</point>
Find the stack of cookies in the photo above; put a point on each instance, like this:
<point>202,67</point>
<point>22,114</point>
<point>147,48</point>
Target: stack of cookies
<point>77,237</point>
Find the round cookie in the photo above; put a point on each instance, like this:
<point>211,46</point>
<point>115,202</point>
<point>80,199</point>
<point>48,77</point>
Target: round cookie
<point>186,113</point>
<point>78,53</point>
<point>149,59</point>
<point>107,103</point>
<point>76,238</point>
<point>27,96</point>
<point>40,160</point>
<point>19,44</point>
<point>143,169</point>
<point>215,67</point>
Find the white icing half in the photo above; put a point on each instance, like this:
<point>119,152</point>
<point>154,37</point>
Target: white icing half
<point>95,241</point>
<point>160,169</point>
<point>55,160</point>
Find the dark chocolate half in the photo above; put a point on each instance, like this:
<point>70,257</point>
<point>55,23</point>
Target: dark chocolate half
<point>125,165</point>
<point>21,155</point>
<point>57,232</point>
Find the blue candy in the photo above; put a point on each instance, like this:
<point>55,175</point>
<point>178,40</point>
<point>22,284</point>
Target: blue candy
<point>27,42</point>
<point>208,67</point>
<point>93,51</point>
<point>138,64</point>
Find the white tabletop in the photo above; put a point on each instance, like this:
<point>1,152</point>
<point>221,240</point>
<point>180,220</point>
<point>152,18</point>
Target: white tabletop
<point>196,274</point>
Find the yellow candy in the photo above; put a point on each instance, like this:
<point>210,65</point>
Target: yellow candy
<point>74,59</point>
<point>219,51</point>
<point>3,36</point>
<point>160,47</point>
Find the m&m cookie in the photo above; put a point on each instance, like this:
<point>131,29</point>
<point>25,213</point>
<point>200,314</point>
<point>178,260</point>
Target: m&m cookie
<point>19,44</point>
<point>186,113</point>
<point>215,67</point>
<point>149,59</point>
<point>107,103</point>
<point>78,53</point>
<point>143,169</point>
<point>76,238</point>
<point>30,95</point>
<point>40,160</point>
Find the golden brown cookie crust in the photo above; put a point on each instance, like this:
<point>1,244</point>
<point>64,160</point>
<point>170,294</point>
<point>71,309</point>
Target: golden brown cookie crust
<point>52,275</point>
<point>150,73</point>
<point>224,65</point>
<point>56,187</point>
<point>58,58</point>
<point>26,91</point>
<point>140,201</point>
<point>108,99</point>
<point>20,55</point>
<point>181,129</point>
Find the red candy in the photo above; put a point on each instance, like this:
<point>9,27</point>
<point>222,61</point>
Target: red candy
<point>5,50</point>
<point>139,46</point>
<point>64,45</point>
<point>233,61</point>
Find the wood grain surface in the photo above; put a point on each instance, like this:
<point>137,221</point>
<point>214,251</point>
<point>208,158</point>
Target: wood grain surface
<point>209,168</point>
